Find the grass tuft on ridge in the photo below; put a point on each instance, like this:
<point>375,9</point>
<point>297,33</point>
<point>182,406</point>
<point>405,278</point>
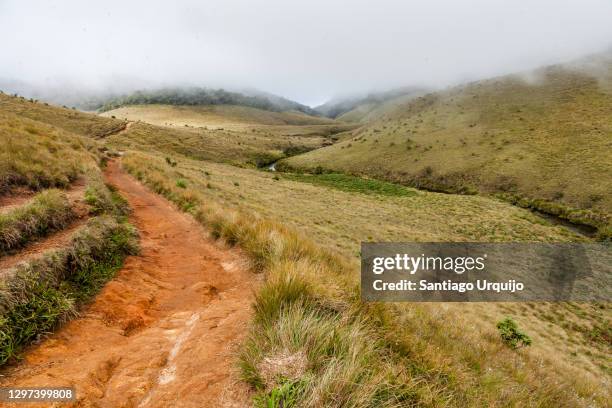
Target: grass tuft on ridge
<point>49,211</point>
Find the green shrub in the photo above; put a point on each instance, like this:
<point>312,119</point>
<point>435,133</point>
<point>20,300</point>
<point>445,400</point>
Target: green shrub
<point>511,335</point>
<point>181,183</point>
<point>286,395</point>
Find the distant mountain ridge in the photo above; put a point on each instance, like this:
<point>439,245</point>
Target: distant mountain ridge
<point>196,96</point>
<point>340,106</point>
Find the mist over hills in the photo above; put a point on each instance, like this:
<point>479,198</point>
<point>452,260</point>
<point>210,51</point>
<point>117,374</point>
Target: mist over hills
<point>205,96</point>
<point>539,138</point>
<point>112,97</point>
<point>341,105</point>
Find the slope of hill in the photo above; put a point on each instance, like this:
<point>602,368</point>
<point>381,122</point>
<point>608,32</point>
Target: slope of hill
<point>228,133</point>
<point>68,119</point>
<point>236,141</point>
<point>308,319</point>
<point>542,141</point>
<point>369,107</point>
<point>213,116</point>
<point>63,234</point>
<point>206,96</point>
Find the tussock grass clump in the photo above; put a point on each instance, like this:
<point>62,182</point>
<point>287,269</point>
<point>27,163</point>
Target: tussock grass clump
<point>103,198</point>
<point>38,295</point>
<point>49,211</point>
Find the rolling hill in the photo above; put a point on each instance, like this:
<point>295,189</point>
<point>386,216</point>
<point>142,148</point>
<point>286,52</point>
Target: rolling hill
<point>214,116</point>
<point>369,107</point>
<point>302,232</point>
<point>227,133</point>
<point>542,140</point>
<point>206,96</point>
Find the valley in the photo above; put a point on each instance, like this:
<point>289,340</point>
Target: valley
<point>281,248</point>
<point>526,139</point>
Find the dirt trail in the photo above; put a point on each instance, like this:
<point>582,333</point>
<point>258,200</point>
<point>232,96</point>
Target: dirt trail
<point>162,333</point>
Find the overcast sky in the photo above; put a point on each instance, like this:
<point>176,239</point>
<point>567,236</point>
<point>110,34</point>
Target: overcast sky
<point>306,50</point>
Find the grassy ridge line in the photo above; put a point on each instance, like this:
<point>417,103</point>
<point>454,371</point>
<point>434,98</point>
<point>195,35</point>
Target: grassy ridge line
<point>68,120</point>
<point>37,296</point>
<point>49,211</point>
<point>308,290</point>
<point>226,116</point>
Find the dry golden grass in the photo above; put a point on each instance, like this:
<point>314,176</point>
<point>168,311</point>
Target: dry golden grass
<point>213,116</point>
<point>452,354</point>
<point>70,120</point>
<point>37,155</point>
<point>256,147</point>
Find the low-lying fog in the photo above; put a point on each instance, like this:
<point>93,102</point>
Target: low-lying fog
<point>307,51</point>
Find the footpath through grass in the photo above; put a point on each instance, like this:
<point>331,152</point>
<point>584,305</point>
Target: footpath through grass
<point>313,342</point>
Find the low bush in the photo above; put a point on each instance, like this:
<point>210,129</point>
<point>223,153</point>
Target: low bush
<point>511,335</point>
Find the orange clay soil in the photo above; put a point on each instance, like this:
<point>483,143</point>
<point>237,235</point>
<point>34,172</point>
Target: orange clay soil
<point>164,331</point>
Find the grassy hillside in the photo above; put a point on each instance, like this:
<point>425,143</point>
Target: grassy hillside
<point>425,347</point>
<point>67,119</point>
<point>371,111</point>
<point>311,336</point>
<point>206,96</point>
<point>544,139</point>
<point>213,116</point>
<point>356,108</point>
<point>235,134</point>
<point>256,147</point>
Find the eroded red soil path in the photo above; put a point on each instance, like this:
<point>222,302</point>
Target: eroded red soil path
<point>164,331</point>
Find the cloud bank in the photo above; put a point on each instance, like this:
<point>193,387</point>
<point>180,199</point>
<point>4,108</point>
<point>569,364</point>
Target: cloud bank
<point>308,51</point>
